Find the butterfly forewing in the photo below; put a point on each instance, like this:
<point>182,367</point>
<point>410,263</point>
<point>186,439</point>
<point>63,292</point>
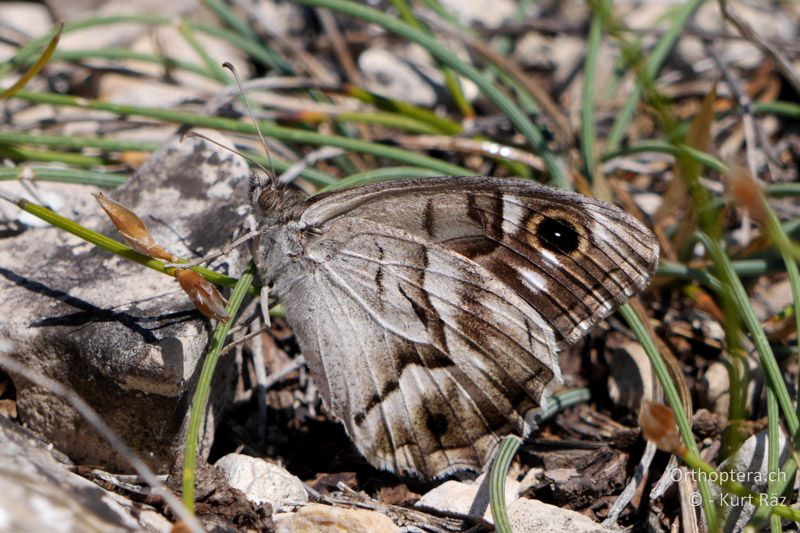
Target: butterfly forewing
<point>431,311</point>
<point>574,259</point>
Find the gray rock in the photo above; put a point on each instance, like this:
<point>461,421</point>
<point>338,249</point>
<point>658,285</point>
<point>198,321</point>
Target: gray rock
<point>41,494</point>
<point>124,337</point>
<point>409,74</point>
<point>562,54</point>
<point>714,386</point>
<point>125,89</point>
<point>748,466</point>
<point>32,19</point>
<point>630,376</point>
<point>262,481</point>
<point>113,35</point>
<point>168,37</point>
<point>534,50</point>
<point>282,18</point>
<point>316,518</point>
<point>466,498</point>
<point>529,516</point>
<point>490,14</point>
<point>390,76</point>
<point>649,202</point>
<point>766,19</point>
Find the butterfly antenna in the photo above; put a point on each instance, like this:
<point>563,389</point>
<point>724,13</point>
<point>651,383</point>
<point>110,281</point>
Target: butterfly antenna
<point>270,173</point>
<point>191,133</point>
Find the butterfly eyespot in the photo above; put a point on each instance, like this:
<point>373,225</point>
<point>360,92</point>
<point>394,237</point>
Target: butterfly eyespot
<point>557,235</point>
<point>437,423</point>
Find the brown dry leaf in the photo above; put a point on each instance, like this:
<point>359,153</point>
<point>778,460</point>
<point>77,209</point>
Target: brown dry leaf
<point>203,294</point>
<point>134,159</point>
<point>132,229</point>
<point>36,67</point>
<point>674,204</point>
<point>705,302</point>
<point>677,198</point>
<point>659,427</point>
<point>699,134</point>
<point>745,192</point>
<point>180,527</point>
<point>398,495</point>
<point>8,408</point>
<point>326,482</point>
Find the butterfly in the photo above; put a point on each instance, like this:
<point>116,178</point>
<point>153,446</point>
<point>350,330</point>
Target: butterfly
<point>431,311</point>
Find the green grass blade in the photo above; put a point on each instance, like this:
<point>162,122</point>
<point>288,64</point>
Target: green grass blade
<point>673,399</point>
<point>440,124</point>
<point>226,15</point>
<point>558,402</point>
<point>213,68</point>
<point>29,50</point>
<point>786,109</point>
<point>20,153</point>
<point>759,338</point>
<point>268,128</point>
<point>497,482</point>
<point>555,165</point>
<point>587,137</point>
<point>451,80</point>
<point>203,390</point>
<point>379,174</point>
<point>666,147</point>
<point>109,244</point>
<point>653,65</point>
<point>120,145</point>
<point>257,50</point>
<point>84,177</point>
<point>38,65</point>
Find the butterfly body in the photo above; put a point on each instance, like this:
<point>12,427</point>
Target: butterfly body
<point>431,311</point>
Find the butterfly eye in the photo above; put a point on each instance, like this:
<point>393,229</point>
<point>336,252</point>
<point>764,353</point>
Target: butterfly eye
<point>267,200</point>
<point>557,235</point>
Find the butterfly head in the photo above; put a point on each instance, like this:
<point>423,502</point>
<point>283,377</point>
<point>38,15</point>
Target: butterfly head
<point>278,208</point>
<point>274,202</point>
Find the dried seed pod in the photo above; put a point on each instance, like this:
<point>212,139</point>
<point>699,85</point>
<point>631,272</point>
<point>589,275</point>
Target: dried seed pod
<point>203,294</point>
<point>133,229</point>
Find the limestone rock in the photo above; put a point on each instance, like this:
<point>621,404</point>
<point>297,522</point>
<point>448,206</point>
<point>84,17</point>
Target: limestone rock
<point>490,14</point>
<point>408,73</point>
<point>533,516</point>
<point>41,494</point>
<point>630,377</point>
<point>748,466</point>
<point>124,337</point>
<point>466,499</point>
<point>317,518</point>
<point>262,481</point>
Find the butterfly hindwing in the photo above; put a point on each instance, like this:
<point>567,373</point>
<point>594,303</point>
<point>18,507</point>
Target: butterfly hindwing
<point>423,354</point>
